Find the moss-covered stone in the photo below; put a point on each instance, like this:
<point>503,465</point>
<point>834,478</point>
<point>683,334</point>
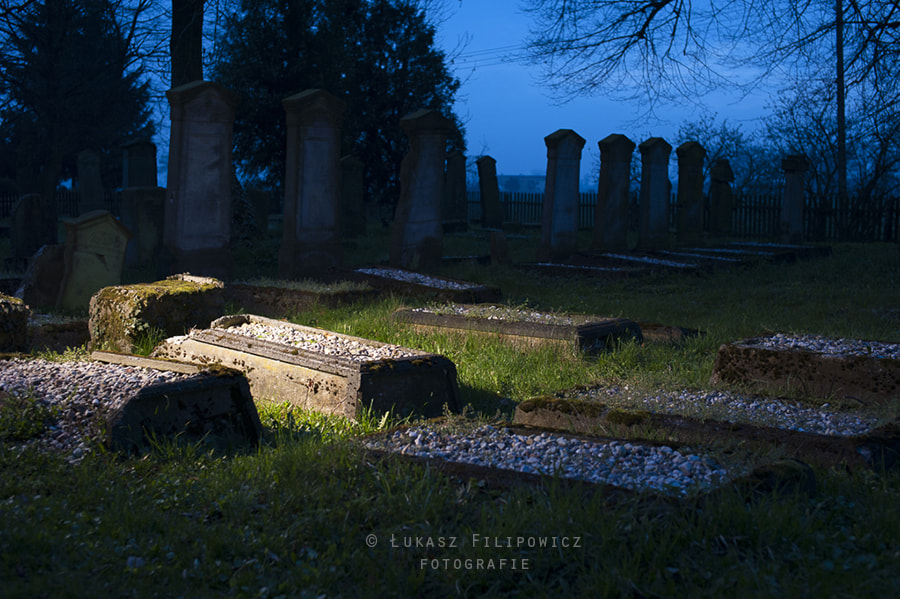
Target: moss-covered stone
<point>121,316</point>
<point>14,316</point>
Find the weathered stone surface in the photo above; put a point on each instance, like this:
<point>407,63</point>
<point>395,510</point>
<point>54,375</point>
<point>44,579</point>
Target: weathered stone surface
<point>213,407</point>
<point>611,215</point>
<point>14,315</point>
<point>866,380</point>
<point>120,315</point>
<point>57,336</point>
<point>421,385</point>
<point>655,191</point>
<point>40,285</point>
<point>450,290</point>
<point>142,214</point>
<point>280,302</point>
<point>689,228</point>
<point>491,208</point>
<point>559,226</point>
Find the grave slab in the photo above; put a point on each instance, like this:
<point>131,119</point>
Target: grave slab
<point>274,301</point>
<point>421,383</point>
<point>414,284</point>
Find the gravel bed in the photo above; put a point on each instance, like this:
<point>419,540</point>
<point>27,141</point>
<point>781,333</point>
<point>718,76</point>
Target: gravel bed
<point>730,407</point>
<point>505,313</point>
<point>585,267</point>
<point>415,277</point>
<point>82,393</point>
<point>628,465</point>
<point>649,260</point>
<point>329,344</point>
<point>701,256</point>
<point>825,345</point>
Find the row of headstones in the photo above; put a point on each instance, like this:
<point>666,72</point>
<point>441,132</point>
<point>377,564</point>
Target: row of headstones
<point>561,194</point>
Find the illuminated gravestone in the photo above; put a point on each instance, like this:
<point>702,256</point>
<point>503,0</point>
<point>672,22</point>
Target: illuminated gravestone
<point>197,230</point>
<point>655,190</point>
<point>611,215</point>
<point>690,192</point>
<point>795,168</point>
<point>491,209</point>
<point>418,229</point>
<point>721,200</point>
<point>560,212</point>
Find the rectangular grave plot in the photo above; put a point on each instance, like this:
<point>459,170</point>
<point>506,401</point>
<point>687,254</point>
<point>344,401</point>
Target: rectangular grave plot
<point>868,381</point>
<point>594,335</point>
<point>449,290</point>
<point>278,301</point>
<point>421,384</point>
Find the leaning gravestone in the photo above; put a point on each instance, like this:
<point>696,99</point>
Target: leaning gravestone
<point>418,234</point>
<point>311,242</point>
<point>491,209</point>
<point>561,195</point>
<point>689,229</point>
<point>611,216</point>
<point>721,200</point>
<point>90,185</point>
<point>795,168</point>
<point>655,190</point>
<point>197,228</point>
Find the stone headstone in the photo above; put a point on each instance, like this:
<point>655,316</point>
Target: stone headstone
<point>721,200</point>
<point>142,214</point>
<point>491,209</point>
<point>31,228</point>
<point>655,191</point>
<point>139,164</point>
<point>197,230</point>
<point>611,215</point>
<point>418,236</point>
<point>311,242</point>
<point>795,168</point>
<point>94,258</point>
<point>561,194</point>
<point>456,204</point>
<point>41,283</point>
<point>689,227</point>
<point>353,196</point>
<point>90,185</point>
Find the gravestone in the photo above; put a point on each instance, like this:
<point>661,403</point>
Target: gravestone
<point>353,196</point>
<point>561,194</point>
<point>721,200</point>
<point>655,191</point>
<point>197,230</point>
<point>491,209</point>
<point>40,285</point>
<point>689,228</point>
<point>456,206</point>
<point>14,315</point>
<point>31,228</point>
<point>139,164</point>
<point>795,168</point>
<point>142,214</point>
<point>418,229</point>
<point>311,241</point>
<point>90,185</point>
<point>611,216</point>
<point>94,258</point>
<point>259,202</point>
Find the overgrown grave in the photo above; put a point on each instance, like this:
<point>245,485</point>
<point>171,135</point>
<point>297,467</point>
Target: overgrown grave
<point>320,370</point>
<point>276,298</point>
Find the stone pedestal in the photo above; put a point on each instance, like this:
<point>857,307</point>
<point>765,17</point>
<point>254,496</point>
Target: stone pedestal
<point>353,196</point>
<point>795,168</point>
<point>721,200</point>
<point>611,214</point>
<point>197,228</point>
<point>139,164</point>
<point>142,214</point>
<point>90,185</point>
<point>418,231</point>
<point>311,242</point>
<point>560,212</point>
<point>491,209</point>
<point>689,226</point>
<point>655,192</point>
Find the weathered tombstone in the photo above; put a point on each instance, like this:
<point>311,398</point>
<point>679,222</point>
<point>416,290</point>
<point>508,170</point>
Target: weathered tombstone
<point>94,258</point>
<point>30,228</point>
<point>655,190</point>
<point>259,202</point>
<point>197,228</point>
<point>561,194</point>
<point>418,234</point>
<point>456,208</point>
<point>689,229</point>
<point>721,201</point>
<point>353,190</point>
<point>40,285</point>
<point>90,185</point>
<point>14,314</point>
<point>611,215</point>
<point>311,241</point>
<point>139,164</point>
<point>491,209</point>
<point>795,168</point>
<point>142,214</point>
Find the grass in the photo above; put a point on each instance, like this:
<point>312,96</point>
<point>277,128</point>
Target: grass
<point>296,516</point>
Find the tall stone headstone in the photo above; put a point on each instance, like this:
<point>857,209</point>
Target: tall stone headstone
<point>491,209</point>
<point>418,237</point>
<point>655,191</point>
<point>456,204</point>
<point>611,214</point>
<point>721,200</point>
<point>794,168</point>
<point>559,227</point>
<point>197,230</point>
<point>139,164</point>
<point>311,241</point>
<point>90,185</point>
<point>689,226</point>
<point>353,197</point>
<point>32,225</point>
<point>142,214</point>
